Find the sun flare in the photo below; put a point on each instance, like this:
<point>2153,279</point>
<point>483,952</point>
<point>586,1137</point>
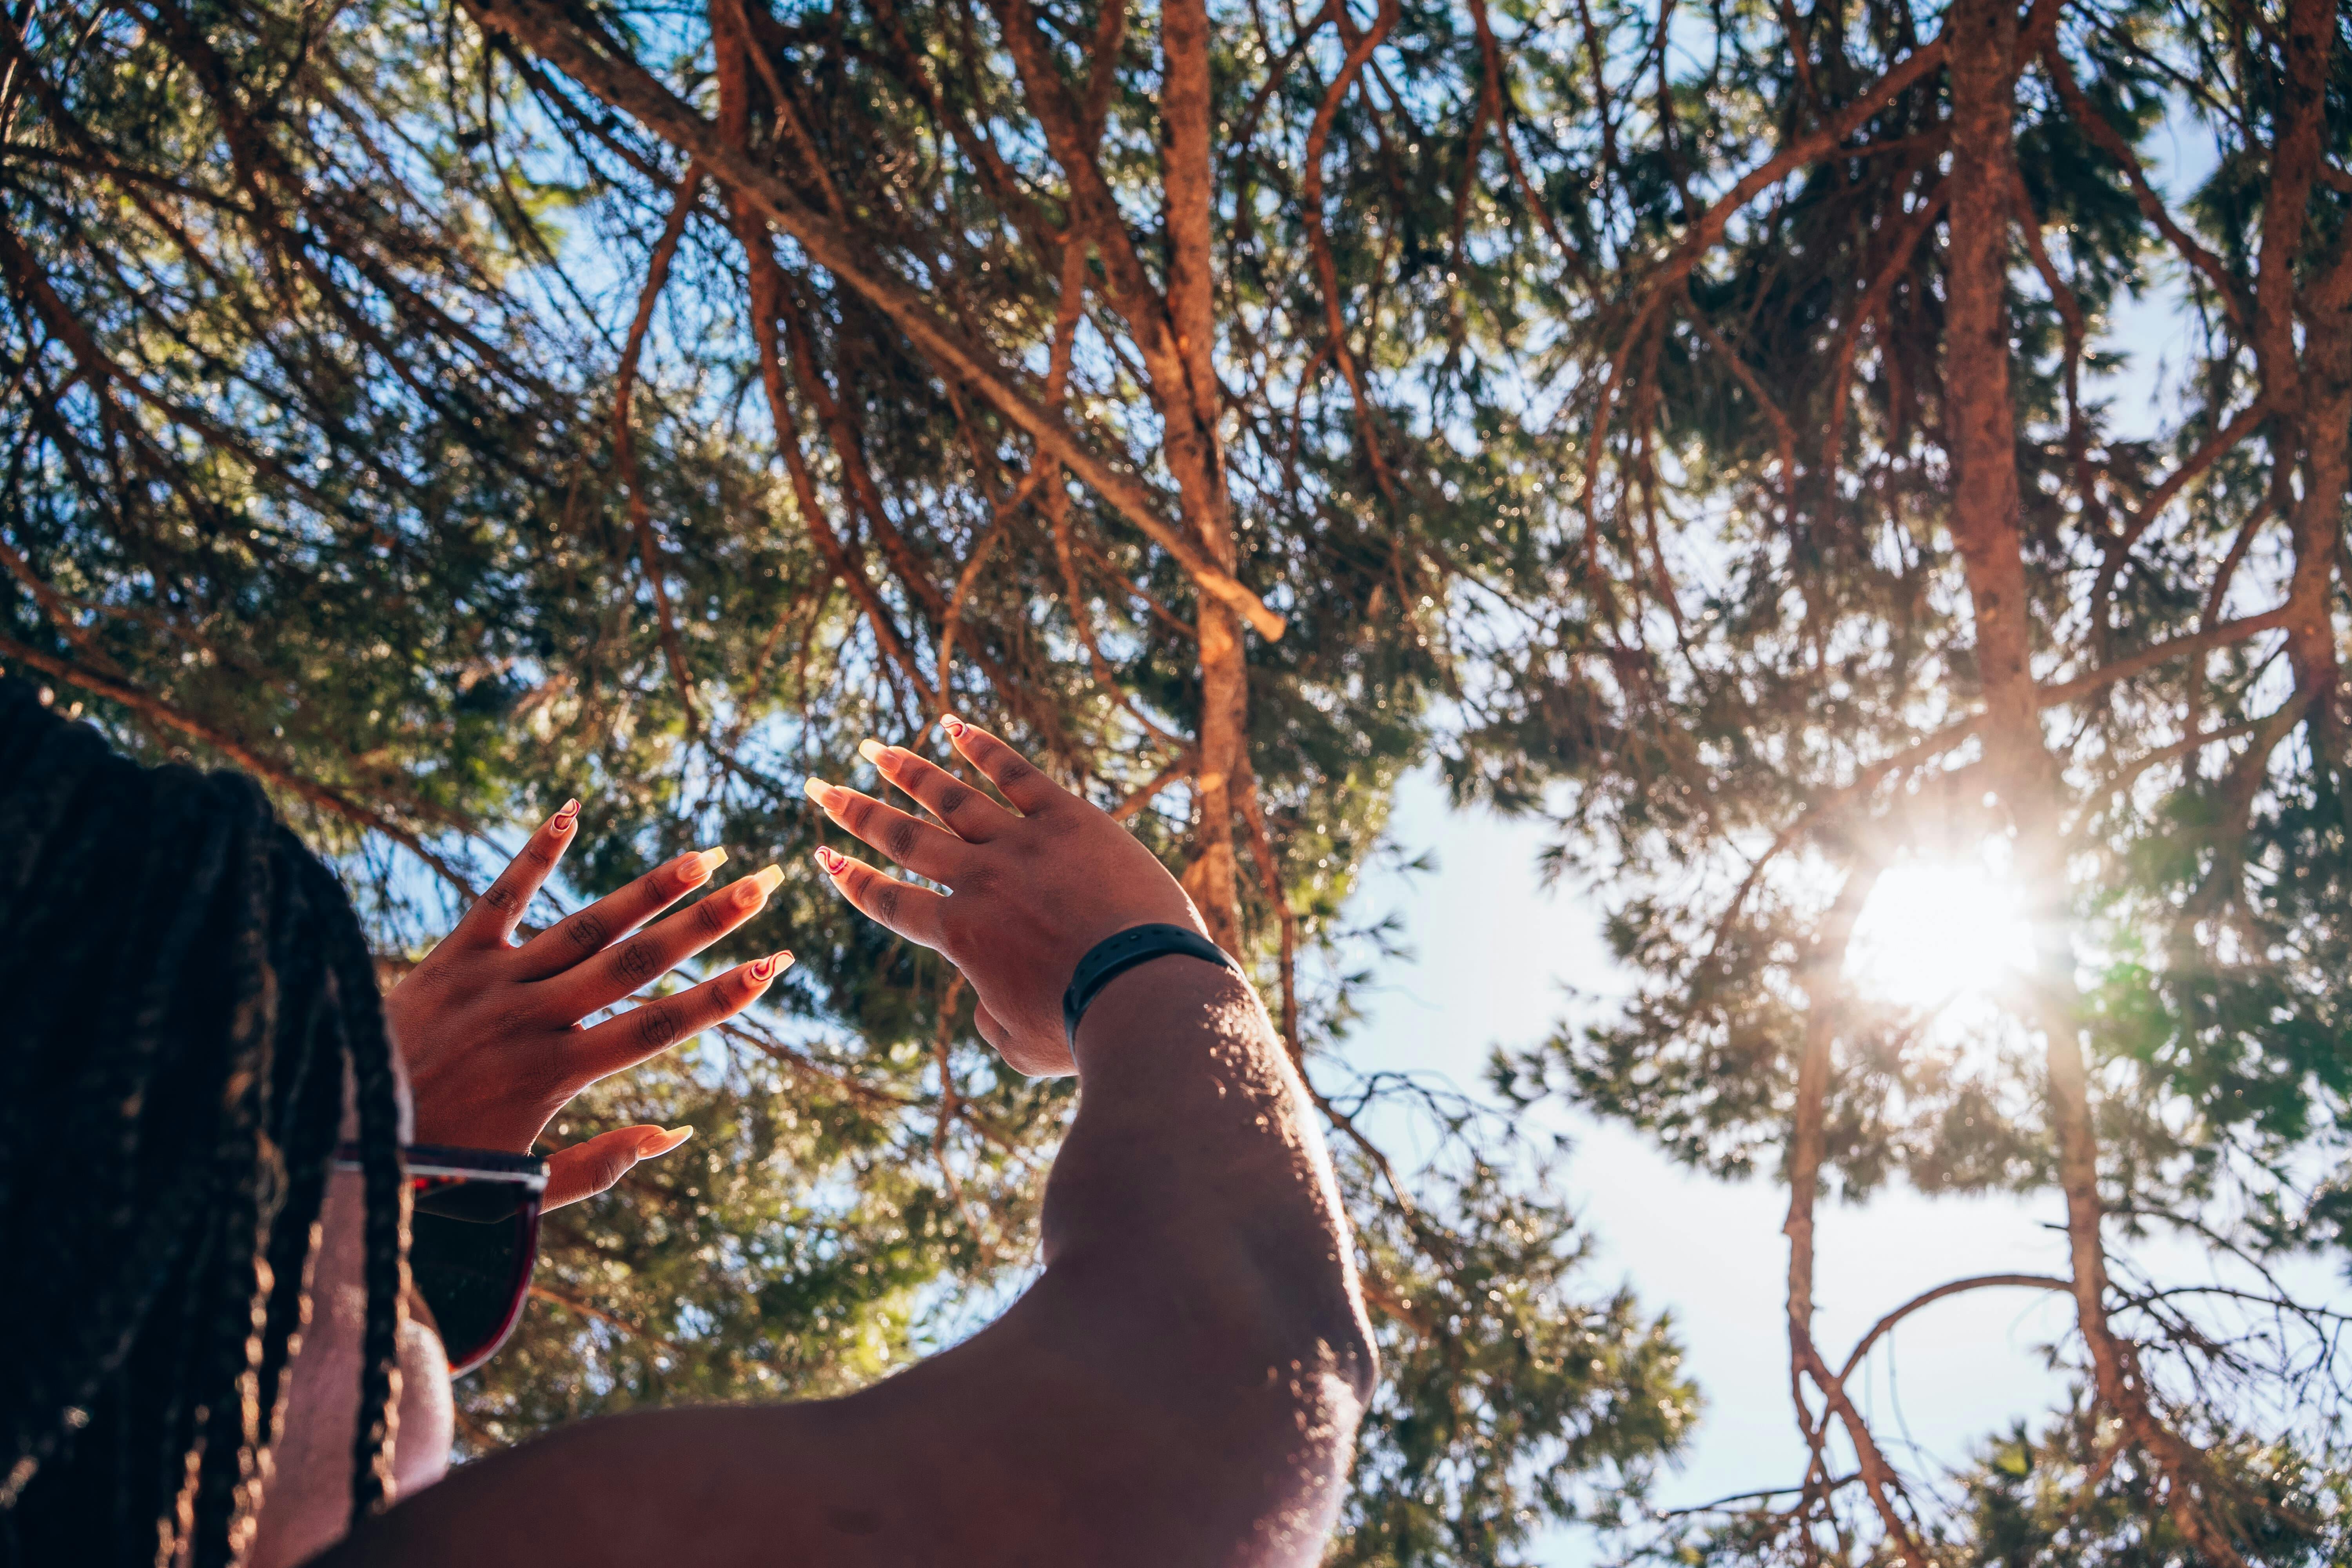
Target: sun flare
<point>1934,932</point>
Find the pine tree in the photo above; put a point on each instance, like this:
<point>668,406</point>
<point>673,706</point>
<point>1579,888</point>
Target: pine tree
<point>1854,571</point>
<point>438,414</point>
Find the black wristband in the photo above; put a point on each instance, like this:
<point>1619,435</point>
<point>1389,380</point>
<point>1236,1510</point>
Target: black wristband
<point>1115,955</point>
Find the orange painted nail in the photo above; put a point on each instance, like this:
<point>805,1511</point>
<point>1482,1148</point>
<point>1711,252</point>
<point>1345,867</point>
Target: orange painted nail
<point>662,1142</point>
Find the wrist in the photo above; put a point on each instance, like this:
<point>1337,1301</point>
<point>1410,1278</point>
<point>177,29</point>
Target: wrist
<point>1123,950</point>
<point>1159,995</point>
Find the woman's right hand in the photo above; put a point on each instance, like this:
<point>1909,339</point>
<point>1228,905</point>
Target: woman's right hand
<point>1027,895</point>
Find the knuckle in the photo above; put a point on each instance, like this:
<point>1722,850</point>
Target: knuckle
<point>587,931</point>
<point>513,1024</point>
<point>1012,771</point>
<point>500,898</point>
<point>637,963</point>
<point>856,814</point>
<point>608,1167</point>
<point>887,900</point>
<point>953,798</point>
<point>900,842</point>
<point>709,917</point>
<point>656,1025</point>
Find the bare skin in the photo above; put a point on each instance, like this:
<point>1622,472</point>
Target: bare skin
<point>1181,1384</point>
<point>490,1039</point>
<point>491,1034</point>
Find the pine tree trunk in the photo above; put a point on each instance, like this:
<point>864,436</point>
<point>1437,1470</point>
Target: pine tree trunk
<point>1980,423</point>
<point>1193,406</point>
<point>2313,390</point>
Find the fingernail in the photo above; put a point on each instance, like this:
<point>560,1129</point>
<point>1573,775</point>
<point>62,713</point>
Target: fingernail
<point>664,1141</point>
<point>694,868</point>
<point>820,792</point>
<point>564,814</point>
<point>765,969</point>
<point>831,861</point>
<point>951,724</point>
<point>753,890</point>
<point>873,752</point>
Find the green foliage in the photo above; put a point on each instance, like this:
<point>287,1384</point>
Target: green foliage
<point>311,466</point>
<point>1754,687</point>
<point>2069,1496</point>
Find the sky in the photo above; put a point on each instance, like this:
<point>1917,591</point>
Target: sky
<point>1492,948</point>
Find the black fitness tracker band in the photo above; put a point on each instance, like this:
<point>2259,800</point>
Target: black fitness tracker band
<point>1115,955</point>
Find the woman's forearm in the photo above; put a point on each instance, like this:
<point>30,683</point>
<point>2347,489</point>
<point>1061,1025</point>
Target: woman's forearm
<point>1195,1149</point>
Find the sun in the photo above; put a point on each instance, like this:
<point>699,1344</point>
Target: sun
<point>1939,931</point>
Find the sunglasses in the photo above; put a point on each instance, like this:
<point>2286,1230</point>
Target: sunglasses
<point>473,1236</point>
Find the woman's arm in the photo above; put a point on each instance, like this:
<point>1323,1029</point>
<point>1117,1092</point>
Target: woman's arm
<point>1181,1386</point>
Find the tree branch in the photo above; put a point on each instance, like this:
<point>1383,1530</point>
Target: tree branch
<point>622,83</point>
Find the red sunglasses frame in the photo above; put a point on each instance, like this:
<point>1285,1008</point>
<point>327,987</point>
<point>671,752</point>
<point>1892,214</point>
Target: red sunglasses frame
<point>428,1167</point>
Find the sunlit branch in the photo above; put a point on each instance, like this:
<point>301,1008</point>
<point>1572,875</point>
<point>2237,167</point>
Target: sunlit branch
<point>620,83</point>
<point>624,446</point>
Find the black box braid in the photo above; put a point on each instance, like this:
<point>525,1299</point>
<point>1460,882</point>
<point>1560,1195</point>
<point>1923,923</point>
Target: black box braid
<point>185,987</point>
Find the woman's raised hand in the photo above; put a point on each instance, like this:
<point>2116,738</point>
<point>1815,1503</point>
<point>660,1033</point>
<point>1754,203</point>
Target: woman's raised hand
<point>490,1031</point>
<point>1027,894</point>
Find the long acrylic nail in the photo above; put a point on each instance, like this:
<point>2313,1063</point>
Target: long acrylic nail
<point>694,868</point>
<point>954,726</point>
<point>820,792</point>
<point>831,861</point>
<point>562,820</point>
<point>873,752</point>
<point>753,890</point>
<point>766,969</point>
<point>662,1142</point>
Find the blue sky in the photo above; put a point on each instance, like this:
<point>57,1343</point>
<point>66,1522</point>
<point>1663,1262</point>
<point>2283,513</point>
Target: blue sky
<point>1492,951</point>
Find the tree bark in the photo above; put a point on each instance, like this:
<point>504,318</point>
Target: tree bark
<point>2313,390</point>
<point>1987,525</point>
<point>1190,398</point>
<point>623,85</point>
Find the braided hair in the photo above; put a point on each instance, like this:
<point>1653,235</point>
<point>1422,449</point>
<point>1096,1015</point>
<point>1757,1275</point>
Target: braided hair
<point>184,988</point>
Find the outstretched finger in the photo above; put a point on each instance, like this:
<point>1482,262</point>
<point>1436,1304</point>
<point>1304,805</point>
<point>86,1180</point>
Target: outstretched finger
<point>586,933</point>
<point>1016,778</point>
<point>586,1169</point>
<point>969,814</point>
<point>643,1032</point>
<point>913,843</point>
<point>634,964</point>
<point>498,911</point>
<point>913,912</point>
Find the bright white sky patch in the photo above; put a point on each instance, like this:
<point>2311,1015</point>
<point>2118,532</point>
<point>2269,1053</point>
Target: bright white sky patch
<point>1935,931</point>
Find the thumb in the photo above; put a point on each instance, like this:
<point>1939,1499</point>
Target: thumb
<point>586,1169</point>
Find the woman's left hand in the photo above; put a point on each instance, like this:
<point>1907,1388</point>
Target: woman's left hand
<point>490,1031</point>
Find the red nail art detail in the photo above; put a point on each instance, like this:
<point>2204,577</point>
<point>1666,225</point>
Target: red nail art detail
<point>566,811</point>
<point>952,725</point>
<point>831,861</point>
<point>764,969</point>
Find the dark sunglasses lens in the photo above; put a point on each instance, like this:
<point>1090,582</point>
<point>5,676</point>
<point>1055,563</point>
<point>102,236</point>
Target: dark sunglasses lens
<point>469,1251</point>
